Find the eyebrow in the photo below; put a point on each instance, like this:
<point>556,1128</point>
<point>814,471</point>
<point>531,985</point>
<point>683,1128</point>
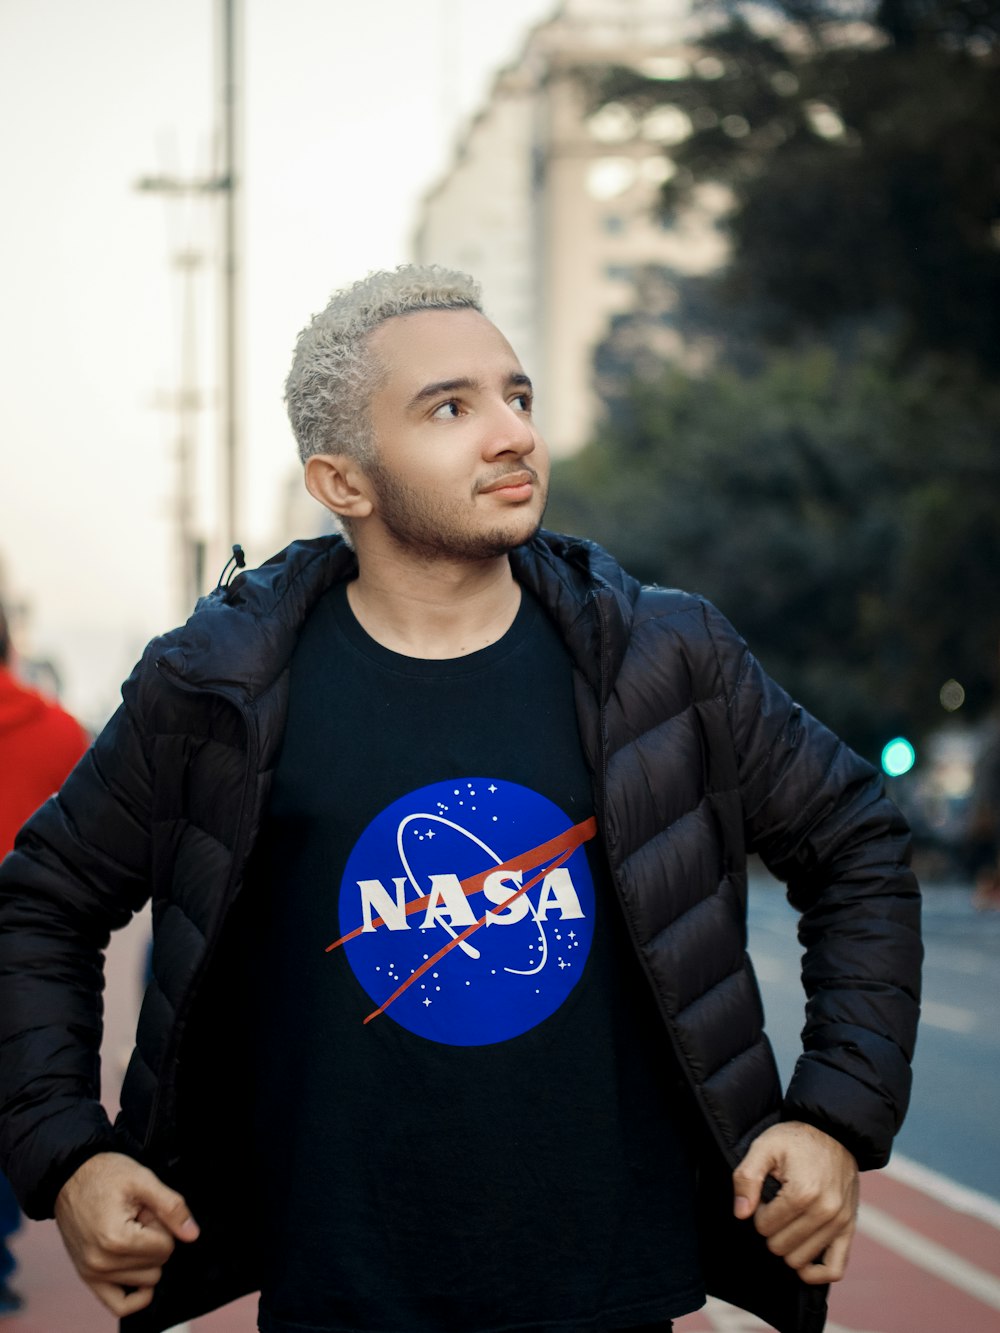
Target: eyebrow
<point>516,379</point>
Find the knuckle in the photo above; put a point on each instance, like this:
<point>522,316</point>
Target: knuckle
<point>93,1258</point>
<point>797,1196</point>
<point>827,1209</point>
<point>105,1241</point>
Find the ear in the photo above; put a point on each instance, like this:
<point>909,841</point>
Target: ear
<point>338,483</point>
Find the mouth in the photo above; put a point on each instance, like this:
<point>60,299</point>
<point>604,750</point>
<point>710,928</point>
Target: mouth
<point>517,485</point>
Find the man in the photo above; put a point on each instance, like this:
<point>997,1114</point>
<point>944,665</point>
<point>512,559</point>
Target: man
<point>39,744</point>
<point>445,829</point>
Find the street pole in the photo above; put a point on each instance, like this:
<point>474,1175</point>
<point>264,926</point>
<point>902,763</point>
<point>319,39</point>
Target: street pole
<point>224,184</point>
<point>230,178</point>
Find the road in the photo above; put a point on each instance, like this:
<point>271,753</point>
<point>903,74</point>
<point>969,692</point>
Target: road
<point>952,1124</point>
<point>927,1256</point>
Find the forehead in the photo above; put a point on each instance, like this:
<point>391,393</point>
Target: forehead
<point>429,345</point>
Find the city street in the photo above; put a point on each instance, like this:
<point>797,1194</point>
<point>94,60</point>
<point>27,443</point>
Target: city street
<point>927,1257</point>
<point>952,1123</point>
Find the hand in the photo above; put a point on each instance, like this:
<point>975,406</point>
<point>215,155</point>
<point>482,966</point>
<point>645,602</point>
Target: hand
<point>811,1221</point>
<point>119,1223</point>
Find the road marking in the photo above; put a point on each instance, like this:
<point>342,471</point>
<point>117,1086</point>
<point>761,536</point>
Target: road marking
<point>930,1256</point>
<point>728,1319</point>
<point>945,1190</point>
<point>947,1016</point>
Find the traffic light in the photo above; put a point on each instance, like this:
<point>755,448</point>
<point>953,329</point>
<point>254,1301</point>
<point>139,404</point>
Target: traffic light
<point>898,757</point>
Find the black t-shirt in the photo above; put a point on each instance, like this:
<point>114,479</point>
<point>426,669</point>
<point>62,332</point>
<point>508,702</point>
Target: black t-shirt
<point>465,1110</point>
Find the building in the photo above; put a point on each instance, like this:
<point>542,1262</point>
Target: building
<point>551,203</point>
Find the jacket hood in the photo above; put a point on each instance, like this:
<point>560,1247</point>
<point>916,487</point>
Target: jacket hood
<point>242,636</point>
<point>19,705</point>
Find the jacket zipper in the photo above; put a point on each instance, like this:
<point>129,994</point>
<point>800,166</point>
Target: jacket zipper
<point>600,792</point>
<point>239,849</point>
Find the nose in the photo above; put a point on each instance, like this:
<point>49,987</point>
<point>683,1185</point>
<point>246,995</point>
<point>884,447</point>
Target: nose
<point>511,433</point>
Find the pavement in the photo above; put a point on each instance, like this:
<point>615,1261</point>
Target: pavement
<point>926,1258</point>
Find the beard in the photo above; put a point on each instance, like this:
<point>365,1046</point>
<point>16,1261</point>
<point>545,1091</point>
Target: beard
<point>428,527</point>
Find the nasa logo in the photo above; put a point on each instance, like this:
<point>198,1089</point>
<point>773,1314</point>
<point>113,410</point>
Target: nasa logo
<point>467,910</point>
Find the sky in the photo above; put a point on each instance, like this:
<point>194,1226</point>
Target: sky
<point>349,113</point>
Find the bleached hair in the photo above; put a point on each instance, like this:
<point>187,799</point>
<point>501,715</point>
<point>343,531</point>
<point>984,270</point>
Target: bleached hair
<point>334,372</point>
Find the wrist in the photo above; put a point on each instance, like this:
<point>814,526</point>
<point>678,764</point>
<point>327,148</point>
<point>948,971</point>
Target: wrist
<point>43,1200</point>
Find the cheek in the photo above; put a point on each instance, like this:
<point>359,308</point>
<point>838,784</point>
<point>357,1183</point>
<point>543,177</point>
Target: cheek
<point>540,460</point>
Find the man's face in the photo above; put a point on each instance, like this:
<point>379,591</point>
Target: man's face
<point>460,470</point>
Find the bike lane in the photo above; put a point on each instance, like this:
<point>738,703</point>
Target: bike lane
<point>926,1259</point>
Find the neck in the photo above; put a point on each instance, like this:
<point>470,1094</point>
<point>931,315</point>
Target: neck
<point>445,610</point>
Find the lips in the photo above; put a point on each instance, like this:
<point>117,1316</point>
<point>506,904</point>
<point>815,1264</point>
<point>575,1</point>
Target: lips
<point>511,482</point>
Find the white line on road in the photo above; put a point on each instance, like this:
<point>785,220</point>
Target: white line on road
<point>945,1190</point>
<point>728,1319</point>
<point>947,1016</point>
<point>930,1256</point>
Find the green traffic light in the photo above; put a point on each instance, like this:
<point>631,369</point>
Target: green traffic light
<point>898,757</point>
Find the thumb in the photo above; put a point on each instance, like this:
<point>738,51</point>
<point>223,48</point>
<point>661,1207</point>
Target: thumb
<point>167,1207</point>
<point>748,1180</point>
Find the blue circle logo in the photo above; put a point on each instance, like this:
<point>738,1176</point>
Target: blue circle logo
<point>467,910</point>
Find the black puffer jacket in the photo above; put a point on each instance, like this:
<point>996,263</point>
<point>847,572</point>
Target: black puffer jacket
<point>698,757</point>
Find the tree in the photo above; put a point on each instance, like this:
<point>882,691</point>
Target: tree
<point>862,157</point>
<point>831,475</point>
<point>843,517</point>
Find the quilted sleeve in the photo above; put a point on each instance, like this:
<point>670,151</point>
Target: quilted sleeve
<point>818,816</point>
<point>79,870</point>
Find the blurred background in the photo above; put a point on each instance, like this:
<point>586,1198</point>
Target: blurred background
<point>151,152</point>
<point>750,255</point>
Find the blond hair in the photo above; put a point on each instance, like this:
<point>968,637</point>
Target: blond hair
<point>329,387</point>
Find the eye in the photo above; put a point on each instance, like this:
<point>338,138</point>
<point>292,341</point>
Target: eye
<point>522,402</point>
<point>446,411</point>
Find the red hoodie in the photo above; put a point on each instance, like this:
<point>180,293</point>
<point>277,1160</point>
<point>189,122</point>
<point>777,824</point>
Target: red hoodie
<point>39,744</point>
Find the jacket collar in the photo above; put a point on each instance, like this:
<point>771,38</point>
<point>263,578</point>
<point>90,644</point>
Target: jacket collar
<point>241,637</point>
<point>588,595</point>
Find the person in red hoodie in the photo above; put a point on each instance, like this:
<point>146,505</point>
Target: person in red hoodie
<point>39,744</point>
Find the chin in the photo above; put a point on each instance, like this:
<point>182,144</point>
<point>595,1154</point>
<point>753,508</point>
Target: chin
<point>516,533</point>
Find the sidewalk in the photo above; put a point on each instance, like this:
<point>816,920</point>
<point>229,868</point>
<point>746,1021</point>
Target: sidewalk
<point>56,1301</point>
